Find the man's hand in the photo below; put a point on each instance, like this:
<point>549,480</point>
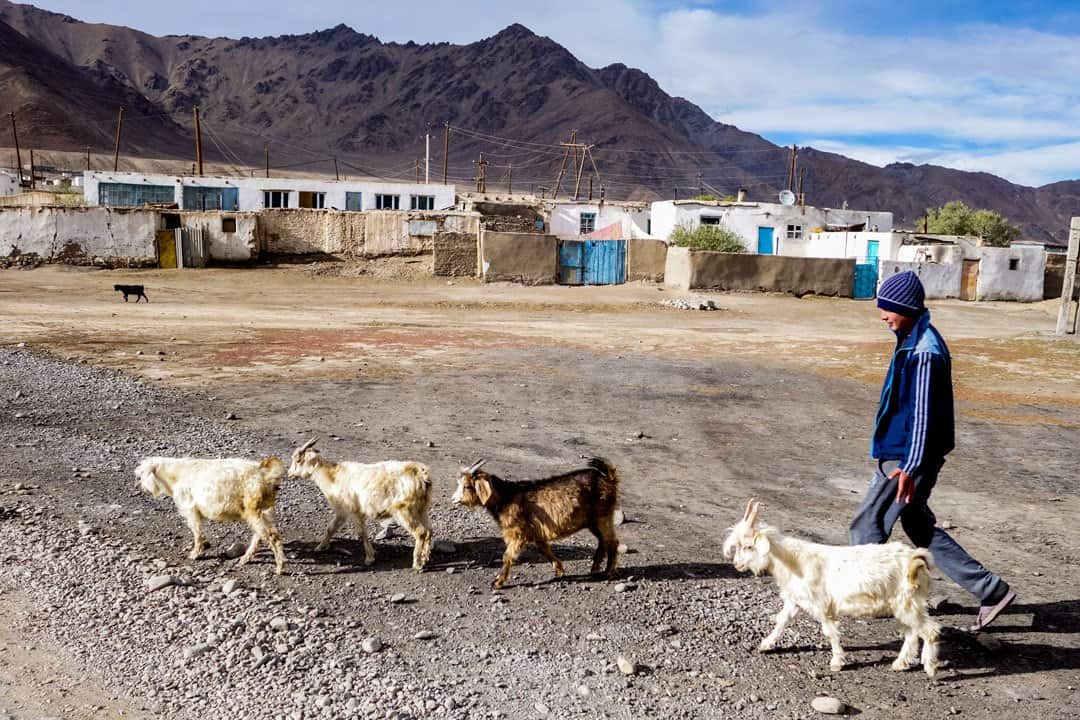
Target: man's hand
<point>905,486</point>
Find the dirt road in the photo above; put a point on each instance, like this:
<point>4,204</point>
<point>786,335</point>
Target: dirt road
<point>771,396</point>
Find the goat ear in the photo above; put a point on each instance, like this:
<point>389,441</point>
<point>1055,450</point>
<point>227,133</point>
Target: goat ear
<point>749,507</point>
<point>751,514</point>
<point>483,489</point>
<point>762,545</point>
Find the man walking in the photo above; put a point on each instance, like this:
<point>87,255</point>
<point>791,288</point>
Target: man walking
<point>912,436</point>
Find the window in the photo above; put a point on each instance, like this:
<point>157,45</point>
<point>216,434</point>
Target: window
<point>276,198</point>
<point>387,202</point>
<point>794,232</point>
<point>353,201</point>
<point>710,220</point>
<point>132,195</point>
<point>587,223</point>
<point>210,198</point>
<point>228,225</point>
<point>315,200</point>
<point>422,202</point>
<point>1014,263</point>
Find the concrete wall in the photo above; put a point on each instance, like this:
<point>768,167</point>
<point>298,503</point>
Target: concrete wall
<point>645,260</point>
<point>565,223</point>
<point>9,184</point>
<point>940,280</point>
<point>696,269</point>
<point>455,254</point>
<point>234,247</point>
<point>745,218</point>
<point>82,236</point>
<point>1012,273</point>
<point>519,257</point>
<point>251,189</point>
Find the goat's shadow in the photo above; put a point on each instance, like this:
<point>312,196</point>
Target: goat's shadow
<point>965,658</point>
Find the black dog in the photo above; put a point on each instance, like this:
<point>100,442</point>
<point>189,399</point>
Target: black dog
<point>136,290</point>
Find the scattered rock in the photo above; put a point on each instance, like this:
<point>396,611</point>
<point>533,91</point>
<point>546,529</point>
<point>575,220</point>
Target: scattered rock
<point>626,667</point>
<point>828,705</point>
<point>398,598</point>
<point>371,645</point>
<point>279,624</point>
<point>197,650</point>
<point>625,587</point>
<point>158,582</point>
<point>595,637</point>
<point>235,550</point>
<point>229,586</point>
<point>583,690</point>
<point>619,517</point>
<point>230,416</point>
<point>542,709</point>
<point>425,635</point>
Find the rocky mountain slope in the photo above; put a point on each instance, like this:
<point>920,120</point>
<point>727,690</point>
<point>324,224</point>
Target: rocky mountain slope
<point>340,93</point>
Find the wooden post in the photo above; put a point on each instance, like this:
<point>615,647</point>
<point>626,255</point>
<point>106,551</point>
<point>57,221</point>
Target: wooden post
<point>590,186</point>
<point>337,176</point>
<point>416,165</point>
<point>198,142</point>
<point>581,166</point>
<point>88,158</point>
<point>116,152</point>
<point>445,151</point>
<point>510,179</point>
<point>427,158</point>
<point>266,152</point>
<point>481,174</point>
<point>791,169</point>
<point>31,168</point>
<point>1070,279</point>
<point>562,167</point>
<point>802,177</point>
<point>18,155</point>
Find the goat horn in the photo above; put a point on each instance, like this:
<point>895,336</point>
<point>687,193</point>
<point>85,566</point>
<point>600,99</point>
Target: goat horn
<point>308,444</point>
<point>476,466</point>
<point>752,517</point>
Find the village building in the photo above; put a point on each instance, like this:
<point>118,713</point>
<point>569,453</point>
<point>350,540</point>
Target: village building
<point>241,194</point>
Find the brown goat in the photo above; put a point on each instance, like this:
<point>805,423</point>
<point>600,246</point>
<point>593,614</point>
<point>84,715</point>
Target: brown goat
<point>541,511</point>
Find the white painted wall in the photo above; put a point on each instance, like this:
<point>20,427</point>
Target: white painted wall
<point>98,232</point>
<point>239,246</point>
<point>745,219</point>
<point>566,219</point>
<point>251,189</point>
<point>842,245</point>
<point>1012,273</point>
<point>9,184</point>
<point>940,280</point>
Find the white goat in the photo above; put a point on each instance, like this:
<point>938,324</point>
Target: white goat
<point>229,490</point>
<point>830,581</point>
<point>401,490</point>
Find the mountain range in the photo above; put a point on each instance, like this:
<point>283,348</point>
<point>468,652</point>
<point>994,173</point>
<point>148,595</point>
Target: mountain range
<point>514,96</point>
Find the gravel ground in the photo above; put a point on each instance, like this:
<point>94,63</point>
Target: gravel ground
<point>673,638</point>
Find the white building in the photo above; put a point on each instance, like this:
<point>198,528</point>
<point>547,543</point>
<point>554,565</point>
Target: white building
<point>613,220</point>
<point>245,194</point>
<point>765,228</point>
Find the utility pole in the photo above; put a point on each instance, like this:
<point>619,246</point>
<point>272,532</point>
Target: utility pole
<point>445,151</point>
<point>481,172</point>
<point>198,142</point>
<point>562,167</point>
<point>791,170</point>
<point>427,158</point>
<point>31,168</point>
<point>18,155</point>
<point>590,186</point>
<point>116,152</point>
<point>510,179</point>
<point>700,185</point>
<point>581,167</point>
<point>266,153</point>
<point>416,165</point>
<point>802,177</point>
<point>337,176</point>
<point>1070,279</point>
<point>88,158</point>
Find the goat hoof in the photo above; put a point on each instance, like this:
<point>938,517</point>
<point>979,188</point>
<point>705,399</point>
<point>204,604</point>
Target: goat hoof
<point>899,665</point>
<point>369,561</point>
<point>766,646</point>
<point>836,665</point>
<point>322,546</point>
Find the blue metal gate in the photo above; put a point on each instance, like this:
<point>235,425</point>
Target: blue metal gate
<point>866,280</point>
<point>592,262</point>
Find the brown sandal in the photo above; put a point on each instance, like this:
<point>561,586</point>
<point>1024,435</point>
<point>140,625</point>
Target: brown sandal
<point>989,613</point>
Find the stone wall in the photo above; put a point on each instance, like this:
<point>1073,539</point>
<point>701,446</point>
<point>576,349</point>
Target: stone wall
<point>308,232</point>
<point>510,218</point>
<point>705,270</point>
<point>519,257</point>
<point>106,237</point>
<point>454,254</point>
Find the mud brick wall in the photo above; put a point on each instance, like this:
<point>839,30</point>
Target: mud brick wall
<point>455,254</point>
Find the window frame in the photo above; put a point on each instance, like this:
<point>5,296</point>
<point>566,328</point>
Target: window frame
<point>380,200</point>
<point>794,231</point>
<point>268,197</point>
<point>586,222</point>
<point>428,200</point>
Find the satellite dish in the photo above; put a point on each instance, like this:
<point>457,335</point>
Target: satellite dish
<point>787,197</point>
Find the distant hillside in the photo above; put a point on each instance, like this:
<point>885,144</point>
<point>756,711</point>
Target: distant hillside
<point>346,94</point>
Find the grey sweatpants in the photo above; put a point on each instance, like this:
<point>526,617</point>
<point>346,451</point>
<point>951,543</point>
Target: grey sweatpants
<point>879,511</point>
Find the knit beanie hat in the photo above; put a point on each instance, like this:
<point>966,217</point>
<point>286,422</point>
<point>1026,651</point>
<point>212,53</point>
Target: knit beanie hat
<point>902,293</point>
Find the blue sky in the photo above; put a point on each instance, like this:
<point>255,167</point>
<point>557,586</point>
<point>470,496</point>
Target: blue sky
<point>988,86</point>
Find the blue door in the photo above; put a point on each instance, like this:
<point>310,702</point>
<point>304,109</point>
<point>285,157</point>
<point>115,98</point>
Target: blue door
<point>866,273</point>
<point>764,241</point>
<point>871,251</point>
<point>592,262</point>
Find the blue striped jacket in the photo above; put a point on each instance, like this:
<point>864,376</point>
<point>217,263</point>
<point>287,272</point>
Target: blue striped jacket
<point>915,418</point>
